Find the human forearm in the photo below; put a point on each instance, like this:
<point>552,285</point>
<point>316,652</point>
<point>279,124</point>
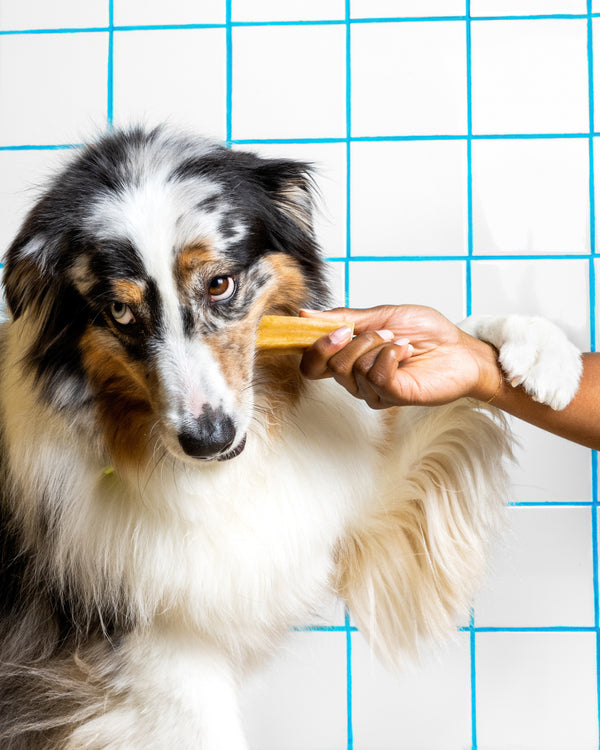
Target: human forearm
<point>579,421</point>
<point>443,363</point>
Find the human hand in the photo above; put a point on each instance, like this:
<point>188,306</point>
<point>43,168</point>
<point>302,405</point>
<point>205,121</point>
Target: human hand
<point>406,354</point>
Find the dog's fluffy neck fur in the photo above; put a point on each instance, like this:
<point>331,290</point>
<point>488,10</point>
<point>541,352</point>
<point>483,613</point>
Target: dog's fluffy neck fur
<point>158,531</point>
<point>132,602</point>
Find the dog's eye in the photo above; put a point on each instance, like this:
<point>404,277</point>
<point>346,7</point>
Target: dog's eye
<point>221,288</point>
<point>122,314</point>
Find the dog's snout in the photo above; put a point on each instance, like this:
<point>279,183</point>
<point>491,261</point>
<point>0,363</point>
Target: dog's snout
<point>208,436</point>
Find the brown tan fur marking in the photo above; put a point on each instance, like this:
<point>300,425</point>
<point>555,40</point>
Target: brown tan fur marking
<point>233,347</point>
<point>284,297</point>
<point>187,263</point>
<point>288,292</point>
<point>123,401</point>
<point>128,292</point>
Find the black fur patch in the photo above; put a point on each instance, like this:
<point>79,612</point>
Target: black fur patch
<point>42,620</point>
<point>255,190</point>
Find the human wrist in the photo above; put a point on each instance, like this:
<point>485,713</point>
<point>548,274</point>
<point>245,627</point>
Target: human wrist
<point>490,379</point>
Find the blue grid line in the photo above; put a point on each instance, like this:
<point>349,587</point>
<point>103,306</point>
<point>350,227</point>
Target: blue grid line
<point>533,629</point>
<point>594,523</point>
<point>468,311</point>
<point>464,257</point>
<point>468,279</point>
<point>551,504</point>
<point>349,629</point>
<point>471,628</point>
<point>229,73</point>
<point>592,320</point>
<point>358,139</point>
<point>26,32</point>
<point>416,137</point>
<point>469,257</point>
<point>590,60</point>
<point>353,139</point>
<point>473,679</point>
<point>299,22</point>
<point>348,85</point>
<point>110,73</point>
<point>592,296</point>
<point>348,140</point>
<point>468,17</point>
<point>49,147</point>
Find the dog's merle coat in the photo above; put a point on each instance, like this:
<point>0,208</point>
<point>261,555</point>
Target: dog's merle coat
<point>171,500</point>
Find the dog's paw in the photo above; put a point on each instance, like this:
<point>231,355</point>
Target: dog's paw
<point>534,353</point>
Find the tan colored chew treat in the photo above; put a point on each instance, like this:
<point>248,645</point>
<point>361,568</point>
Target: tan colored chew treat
<point>287,333</point>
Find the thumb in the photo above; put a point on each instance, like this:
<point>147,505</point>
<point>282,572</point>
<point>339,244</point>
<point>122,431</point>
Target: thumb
<point>369,319</point>
<point>339,313</point>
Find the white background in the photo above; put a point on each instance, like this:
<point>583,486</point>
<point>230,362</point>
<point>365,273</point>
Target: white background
<point>456,149</point>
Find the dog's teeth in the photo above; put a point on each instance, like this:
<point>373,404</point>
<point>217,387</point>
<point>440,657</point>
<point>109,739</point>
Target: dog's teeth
<point>283,333</point>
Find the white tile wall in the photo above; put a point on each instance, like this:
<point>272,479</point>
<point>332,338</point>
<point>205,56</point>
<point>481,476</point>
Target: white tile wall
<point>542,185</point>
<point>149,85</point>
<point>429,282</point>
<point>526,7</point>
<point>548,469</point>
<point>405,8</point>
<point>22,175</point>
<point>288,704</point>
<point>46,98</point>
<point>291,10</point>
<point>295,88</point>
<point>58,14</point>
<point>329,162</point>
<point>537,690</point>
<point>157,12</point>
<point>542,571</point>
<point>541,86</point>
<point>428,705</point>
<point>427,202</point>
<point>396,189</point>
<point>400,88</point>
<point>555,288</point>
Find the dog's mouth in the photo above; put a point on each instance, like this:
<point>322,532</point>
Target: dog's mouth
<point>208,456</point>
<point>235,452</point>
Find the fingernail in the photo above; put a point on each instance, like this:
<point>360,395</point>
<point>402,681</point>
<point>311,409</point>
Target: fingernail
<point>385,334</point>
<point>340,335</point>
<point>402,342</point>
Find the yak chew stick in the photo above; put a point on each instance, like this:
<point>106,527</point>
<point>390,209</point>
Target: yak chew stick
<point>283,333</point>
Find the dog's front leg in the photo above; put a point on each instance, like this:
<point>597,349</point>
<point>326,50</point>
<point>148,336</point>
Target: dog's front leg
<point>534,353</point>
<point>169,690</point>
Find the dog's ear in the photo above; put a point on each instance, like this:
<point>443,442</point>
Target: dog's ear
<point>23,278</point>
<point>292,188</point>
<point>27,278</point>
<point>288,219</point>
<point>38,290</point>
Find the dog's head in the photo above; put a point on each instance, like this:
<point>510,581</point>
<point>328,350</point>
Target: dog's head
<point>139,278</point>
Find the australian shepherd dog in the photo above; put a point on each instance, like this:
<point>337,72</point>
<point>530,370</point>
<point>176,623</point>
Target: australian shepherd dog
<point>171,499</point>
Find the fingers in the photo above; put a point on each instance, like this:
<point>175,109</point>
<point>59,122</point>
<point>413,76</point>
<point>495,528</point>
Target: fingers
<point>365,366</point>
<point>315,360</point>
<point>357,357</point>
<point>376,374</point>
<point>371,319</point>
<point>334,355</point>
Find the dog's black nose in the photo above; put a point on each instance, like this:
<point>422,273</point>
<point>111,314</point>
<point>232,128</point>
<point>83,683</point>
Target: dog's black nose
<point>208,436</point>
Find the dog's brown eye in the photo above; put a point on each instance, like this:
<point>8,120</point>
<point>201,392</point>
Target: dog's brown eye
<point>221,288</point>
<point>122,314</point>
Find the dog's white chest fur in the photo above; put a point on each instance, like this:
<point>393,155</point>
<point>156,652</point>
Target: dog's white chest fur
<point>241,547</point>
<point>133,602</point>
<point>249,543</point>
